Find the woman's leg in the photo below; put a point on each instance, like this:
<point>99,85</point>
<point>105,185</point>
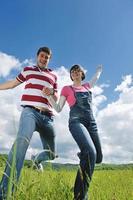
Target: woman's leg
<point>92,129</point>
<point>87,158</point>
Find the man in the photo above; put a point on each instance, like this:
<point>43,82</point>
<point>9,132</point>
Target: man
<point>36,115</point>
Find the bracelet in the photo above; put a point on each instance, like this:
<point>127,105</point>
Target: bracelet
<point>53,92</point>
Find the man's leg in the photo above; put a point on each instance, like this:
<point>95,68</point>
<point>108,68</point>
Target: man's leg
<point>47,135</point>
<point>26,128</point>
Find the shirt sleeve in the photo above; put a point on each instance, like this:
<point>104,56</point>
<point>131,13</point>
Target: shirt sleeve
<point>22,76</point>
<point>64,91</point>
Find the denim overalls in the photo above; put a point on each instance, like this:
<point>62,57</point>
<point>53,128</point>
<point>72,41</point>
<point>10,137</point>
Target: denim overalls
<point>83,128</point>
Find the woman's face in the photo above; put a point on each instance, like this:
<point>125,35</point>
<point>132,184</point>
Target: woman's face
<point>76,74</point>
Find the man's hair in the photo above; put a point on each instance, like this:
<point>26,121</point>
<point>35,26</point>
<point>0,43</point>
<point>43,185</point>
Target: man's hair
<point>44,49</point>
<point>77,67</point>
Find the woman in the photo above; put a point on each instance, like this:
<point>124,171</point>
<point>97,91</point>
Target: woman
<point>82,126</point>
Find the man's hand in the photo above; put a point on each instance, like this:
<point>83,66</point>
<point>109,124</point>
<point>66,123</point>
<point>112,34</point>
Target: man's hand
<point>48,91</point>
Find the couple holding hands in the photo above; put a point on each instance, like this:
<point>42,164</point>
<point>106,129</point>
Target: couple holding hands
<point>38,99</point>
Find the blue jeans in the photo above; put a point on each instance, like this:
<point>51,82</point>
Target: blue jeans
<point>30,121</point>
<point>83,128</point>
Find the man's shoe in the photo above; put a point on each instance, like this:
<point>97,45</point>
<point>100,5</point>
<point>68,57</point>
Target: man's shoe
<point>37,166</point>
<point>40,167</point>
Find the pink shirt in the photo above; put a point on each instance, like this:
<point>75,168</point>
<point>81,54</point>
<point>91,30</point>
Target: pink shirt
<point>68,93</point>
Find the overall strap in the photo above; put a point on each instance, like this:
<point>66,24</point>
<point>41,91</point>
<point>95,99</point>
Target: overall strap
<point>72,90</point>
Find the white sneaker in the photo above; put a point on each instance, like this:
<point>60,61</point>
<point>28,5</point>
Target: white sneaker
<point>36,166</point>
<point>33,158</point>
<point>40,167</point>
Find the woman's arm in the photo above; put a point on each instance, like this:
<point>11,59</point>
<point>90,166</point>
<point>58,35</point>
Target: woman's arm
<point>96,76</point>
<point>57,106</point>
<point>9,84</point>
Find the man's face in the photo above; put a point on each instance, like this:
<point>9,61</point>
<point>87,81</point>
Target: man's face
<point>43,59</point>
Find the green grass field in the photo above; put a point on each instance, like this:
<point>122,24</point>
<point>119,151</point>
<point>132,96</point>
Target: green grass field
<point>58,185</point>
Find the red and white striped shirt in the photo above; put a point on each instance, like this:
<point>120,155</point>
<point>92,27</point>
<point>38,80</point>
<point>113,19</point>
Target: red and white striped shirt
<point>36,79</point>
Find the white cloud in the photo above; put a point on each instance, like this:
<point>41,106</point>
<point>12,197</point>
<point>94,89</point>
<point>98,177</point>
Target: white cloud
<point>7,63</point>
<point>114,122</point>
<point>124,86</point>
<point>9,115</point>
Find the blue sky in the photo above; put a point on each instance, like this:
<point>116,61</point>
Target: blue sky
<point>89,32</point>
<point>86,32</point>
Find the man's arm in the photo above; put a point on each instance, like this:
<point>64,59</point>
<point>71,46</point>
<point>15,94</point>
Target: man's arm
<point>9,84</point>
